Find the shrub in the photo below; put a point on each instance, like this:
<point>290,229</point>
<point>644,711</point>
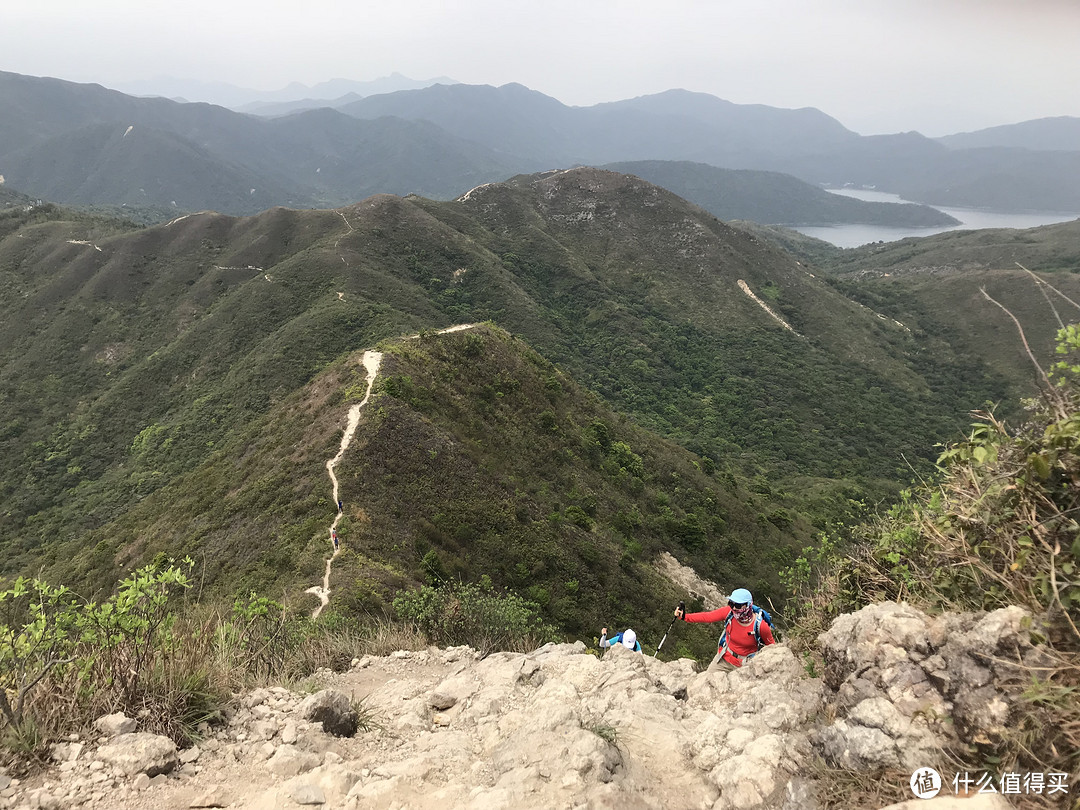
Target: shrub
<point>65,661</point>
<point>476,615</point>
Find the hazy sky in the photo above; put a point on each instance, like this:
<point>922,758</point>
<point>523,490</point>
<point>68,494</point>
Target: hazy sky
<point>938,66</point>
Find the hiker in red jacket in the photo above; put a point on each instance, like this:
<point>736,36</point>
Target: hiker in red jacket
<point>747,628</point>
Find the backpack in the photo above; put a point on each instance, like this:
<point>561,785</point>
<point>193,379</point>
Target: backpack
<point>759,614</point>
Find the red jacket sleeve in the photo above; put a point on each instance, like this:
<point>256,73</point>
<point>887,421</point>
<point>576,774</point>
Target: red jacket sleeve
<point>711,616</point>
<point>766,634</point>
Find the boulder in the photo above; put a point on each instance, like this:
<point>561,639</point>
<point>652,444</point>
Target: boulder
<point>967,668</point>
<point>140,752</point>
<point>43,800</point>
<point>333,710</point>
<point>113,725</point>
<point>290,733</point>
<point>452,691</point>
<point>66,752</point>
<point>288,760</point>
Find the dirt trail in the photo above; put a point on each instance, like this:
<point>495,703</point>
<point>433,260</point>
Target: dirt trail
<point>371,361</point>
<point>746,289</point>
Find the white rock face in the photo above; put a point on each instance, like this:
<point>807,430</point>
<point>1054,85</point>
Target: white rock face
<point>131,754</point>
<point>904,685</point>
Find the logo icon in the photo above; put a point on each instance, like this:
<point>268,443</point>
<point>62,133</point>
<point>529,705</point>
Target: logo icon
<point>925,783</point>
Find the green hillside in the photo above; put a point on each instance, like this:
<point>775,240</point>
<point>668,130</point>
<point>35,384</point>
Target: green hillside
<point>950,314</point>
<point>474,457</point>
<point>129,357</point>
<point>1046,249</point>
<point>933,285</point>
<point>9,196</point>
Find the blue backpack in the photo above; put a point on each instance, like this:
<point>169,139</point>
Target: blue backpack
<point>759,614</point>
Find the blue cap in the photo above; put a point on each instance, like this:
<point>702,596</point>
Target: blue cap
<point>741,596</point>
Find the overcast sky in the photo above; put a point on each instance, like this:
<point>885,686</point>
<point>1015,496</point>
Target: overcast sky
<point>937,66</point>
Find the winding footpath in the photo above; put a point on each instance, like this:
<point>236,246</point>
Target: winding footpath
<point>371,362</point>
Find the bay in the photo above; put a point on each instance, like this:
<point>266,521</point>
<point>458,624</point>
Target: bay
<point>847,236</point>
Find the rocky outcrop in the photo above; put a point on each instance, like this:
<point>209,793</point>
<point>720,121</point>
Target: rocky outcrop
<point>560,727</point>
<point>903,685</point>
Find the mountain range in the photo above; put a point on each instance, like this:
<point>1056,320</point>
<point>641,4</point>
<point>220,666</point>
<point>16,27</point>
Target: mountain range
<point>294,95</point>
<point>1059,134</point>
<point>83,144</point>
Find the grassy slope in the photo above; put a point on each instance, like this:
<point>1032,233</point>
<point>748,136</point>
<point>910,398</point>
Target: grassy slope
<point>933,285</point>
<point>951,314</point>
<point>128,366</point>
<point>1049,248</point>
<point>475,448</point>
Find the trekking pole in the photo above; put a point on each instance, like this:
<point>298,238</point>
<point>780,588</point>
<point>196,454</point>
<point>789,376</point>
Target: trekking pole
<point>682,610</point>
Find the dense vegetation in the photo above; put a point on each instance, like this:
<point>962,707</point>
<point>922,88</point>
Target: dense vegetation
<point>476,459</point>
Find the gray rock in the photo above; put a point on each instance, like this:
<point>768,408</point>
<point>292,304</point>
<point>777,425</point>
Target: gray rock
<point>961,668</point>
<point>530,673</point>
<point>441,701</point>
<point>141,782</point>
<point>454,690</point>
<point>113,725</point>
<point>189,755</point>
<point>43,800</point>
<point>856,747</point>
<point>801,794</point>
<point>215,796</point>
<point>289,734</point>
<point>308,794</point>
<point>131,754</point>
<point>255,697</point>
<point>67,752</point>
<point>290,761</point>
<point>337,780</point>
<point>333,709</point>
<point>264,729</point>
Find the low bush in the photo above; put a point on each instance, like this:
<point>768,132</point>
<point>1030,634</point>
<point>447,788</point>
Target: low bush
<point>476,615</point>
<point>64,661</point>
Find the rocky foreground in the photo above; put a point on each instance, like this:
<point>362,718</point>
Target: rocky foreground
<point>562,728</point>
